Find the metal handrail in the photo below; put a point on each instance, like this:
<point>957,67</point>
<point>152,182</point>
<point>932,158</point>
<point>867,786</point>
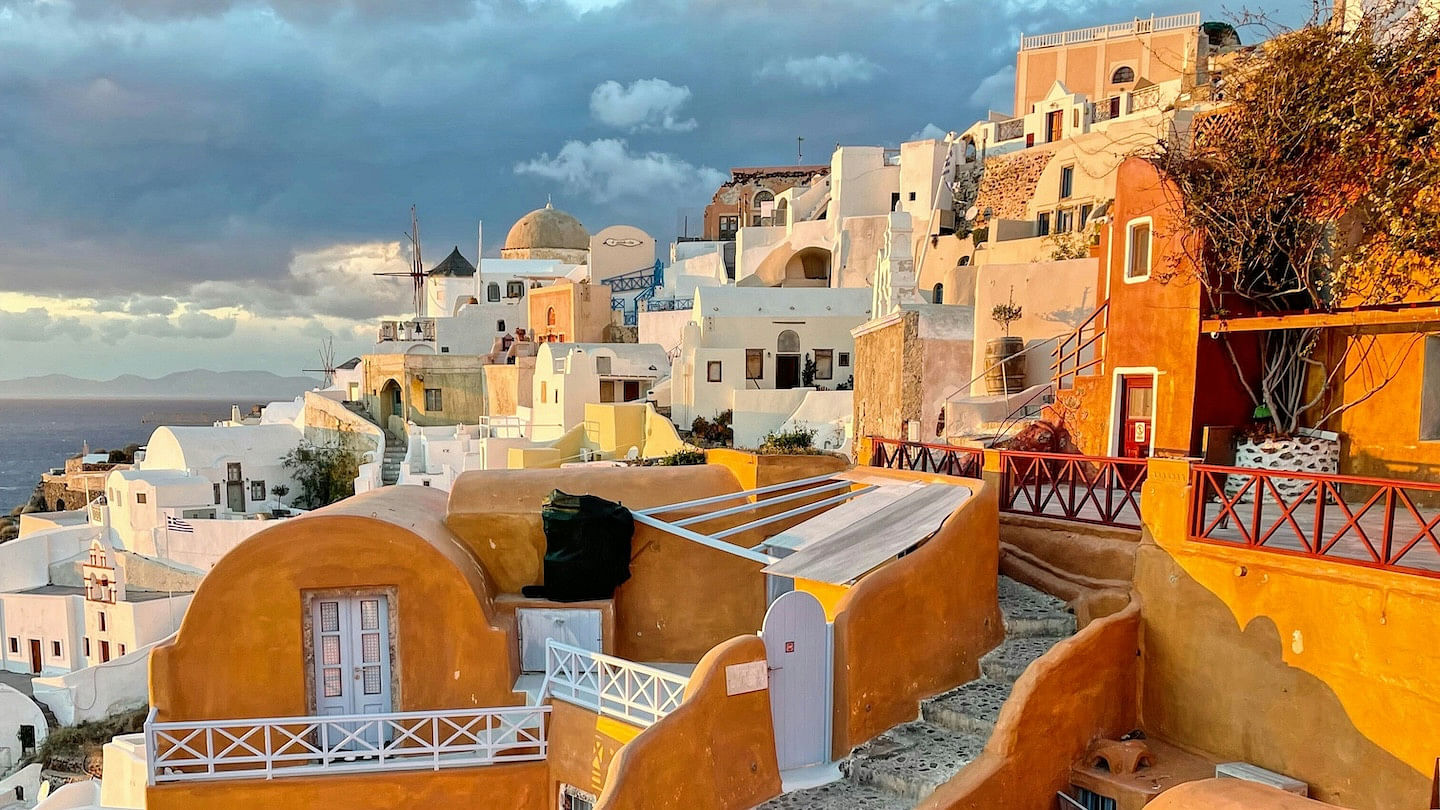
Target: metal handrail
<point>1068,363</point>
<point>633,692</point>
<point>273,747</point>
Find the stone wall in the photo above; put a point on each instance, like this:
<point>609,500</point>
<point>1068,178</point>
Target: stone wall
<point>1009,183</point>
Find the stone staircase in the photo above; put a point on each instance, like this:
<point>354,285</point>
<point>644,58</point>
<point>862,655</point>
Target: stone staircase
<point>901,767</point>
<point>394,457</point>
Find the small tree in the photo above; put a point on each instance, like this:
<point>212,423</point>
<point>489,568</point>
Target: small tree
<point>279,491</point>
<point>1007,313</point>
<point>325,472</point>
<point>1316,187</point>
<point>807,372</point>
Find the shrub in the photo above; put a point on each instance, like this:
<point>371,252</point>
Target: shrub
<point>717,433</point>
<point>683,457</point>
<point>796,441</point>
<point>325,472</point>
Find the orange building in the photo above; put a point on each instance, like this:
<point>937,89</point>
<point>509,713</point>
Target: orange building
<point>748,197</point>
<point>572,312</point>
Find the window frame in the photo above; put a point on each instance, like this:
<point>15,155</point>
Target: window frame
<point>830,359</point>
<point>257,486</point>
<point>1067,181</point>
<point>434,399</point>
<point>1042,223</point>
<point>1116,72</point>
<point>714,371</point>
<point>140,498</point>
<point>758,357</point>
<point>1127,269</point>
<point>514,289</point>
<point>842,359</point>
<point>492,293</point>
<point>14,645</point>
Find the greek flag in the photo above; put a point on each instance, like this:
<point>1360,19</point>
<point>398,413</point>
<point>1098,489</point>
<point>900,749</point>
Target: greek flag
<point>175,524</point>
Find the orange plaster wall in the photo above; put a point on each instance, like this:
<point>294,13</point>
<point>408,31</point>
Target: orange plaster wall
<point>1323,671</point>
<point>715,752</point>
<point>1231,794</point>
<point>240,649</point>
<point>516,786</point>
<point>1084,689</point>
<point>583,743</point>
<point>1382,433</point>
<point>918,625</point>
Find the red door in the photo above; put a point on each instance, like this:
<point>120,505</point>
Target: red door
<point>1137,403</point>
<point>36,665</point>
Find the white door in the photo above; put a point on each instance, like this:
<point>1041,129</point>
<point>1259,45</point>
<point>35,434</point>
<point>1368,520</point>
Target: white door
<point>797,647</point>
<point>577,628</point>
<point>352,656</point>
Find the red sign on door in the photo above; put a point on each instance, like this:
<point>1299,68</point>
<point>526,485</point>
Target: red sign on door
<point>789,646</point>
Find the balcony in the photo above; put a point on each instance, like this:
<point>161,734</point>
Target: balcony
<point>1135,27</point>
<point>612,686</point>
<point>422,329</point>
<point>1010,130</point>
<point>276,747</point>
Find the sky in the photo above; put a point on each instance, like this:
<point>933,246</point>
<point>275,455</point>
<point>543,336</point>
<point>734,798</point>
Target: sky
<point>212,183</point>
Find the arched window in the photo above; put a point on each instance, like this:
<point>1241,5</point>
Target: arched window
<point>788,342</point>
<point>964,260</point>
<point>970,153</point>
<point>764,195</point>
<point>937,294</point>
<point>550,316</point>
<point>492,292</point>
<point>1123,75</point>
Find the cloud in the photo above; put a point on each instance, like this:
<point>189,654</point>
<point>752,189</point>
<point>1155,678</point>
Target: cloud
<point>338,281</point>
<point>996,91</point>
<point>138,304</point>
<point>606,170</point>
<point>928,132</point>
<point>192,325</point>
<point>645,105</point>
<point>822,72</point>
<point>35,325</point>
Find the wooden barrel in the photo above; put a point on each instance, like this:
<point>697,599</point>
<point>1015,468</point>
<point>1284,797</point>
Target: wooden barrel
<point>1005,366</point>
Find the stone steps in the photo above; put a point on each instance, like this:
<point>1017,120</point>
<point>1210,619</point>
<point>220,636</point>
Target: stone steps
<point>902,766</point>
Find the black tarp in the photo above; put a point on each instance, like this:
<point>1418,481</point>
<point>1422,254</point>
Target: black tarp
<point>587,547</point>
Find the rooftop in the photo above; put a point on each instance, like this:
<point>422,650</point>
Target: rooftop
<point>782,301</point>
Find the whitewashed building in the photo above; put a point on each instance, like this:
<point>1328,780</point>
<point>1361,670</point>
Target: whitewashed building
<point>569,375</point>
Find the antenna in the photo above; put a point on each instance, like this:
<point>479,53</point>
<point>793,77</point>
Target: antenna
<point>417,266</point>
<point>799,155</point>
<point>327,362</point>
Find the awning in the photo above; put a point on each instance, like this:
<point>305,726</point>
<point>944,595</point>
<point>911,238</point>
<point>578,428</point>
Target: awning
<point>852,549</point>
<point>823,525</point>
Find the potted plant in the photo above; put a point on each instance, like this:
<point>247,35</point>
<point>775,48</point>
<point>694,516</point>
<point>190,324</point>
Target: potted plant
<point>1004,363</point>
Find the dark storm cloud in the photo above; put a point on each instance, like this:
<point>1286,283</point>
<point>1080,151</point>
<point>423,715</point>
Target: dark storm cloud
<point>150,146</point>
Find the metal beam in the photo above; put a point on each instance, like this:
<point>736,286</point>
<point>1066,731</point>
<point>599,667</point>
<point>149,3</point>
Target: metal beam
<point>704,540</point>
<point>753,505</point>
<point>800,510</point>
<point>673,507</point>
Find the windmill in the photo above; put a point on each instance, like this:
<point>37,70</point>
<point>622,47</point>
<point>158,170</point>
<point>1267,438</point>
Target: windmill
<point>417,267</point>
<point>327,362</point>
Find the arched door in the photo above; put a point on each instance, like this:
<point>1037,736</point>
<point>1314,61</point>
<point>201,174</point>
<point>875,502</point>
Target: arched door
<point>797,648</point>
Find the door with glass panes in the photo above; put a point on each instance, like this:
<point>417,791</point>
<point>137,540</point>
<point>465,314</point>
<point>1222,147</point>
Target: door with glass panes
<point>352,655</point>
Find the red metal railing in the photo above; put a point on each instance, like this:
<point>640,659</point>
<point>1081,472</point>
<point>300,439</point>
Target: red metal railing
<point>1363,521</point>
<point>944,459</point>
<point>1081,350</point>
<point>1088,489</point>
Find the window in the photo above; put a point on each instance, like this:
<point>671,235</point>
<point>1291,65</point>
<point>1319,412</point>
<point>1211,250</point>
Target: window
<point>257,490</point>
<point>712,371</point>
<point>434,401</point>
<point>550,316</point>
<point>543,395</point>
<point>894,200</point>
<point>937,294</point>
<point>139,497</point>
<point>217,493</point>
<point>1430,390</point>
<point>514,289</point>
<point>824,364</point>
<point>444,349</point>
<point>232,472</point>
<point>1042,224</point>
<point>1123,75</point>
<point>728,226</point>
<point>788,342</point>
<point>754,364</point>
<point>492,292</point>
<point>55,649</point>
<point>1137,250</point>
<point>122,646</point>
<point>912,196</point>
<point>1067,182</point>
<point>1084,215</point>
<point>499,326</point>
<point>14,644</point>
<point>100,618</point>
<point>602,364</point>
<point>87,646</point>
<point>844,359</point>
<point>1065,221</point>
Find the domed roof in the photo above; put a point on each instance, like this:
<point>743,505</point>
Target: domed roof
<point>547,228</point>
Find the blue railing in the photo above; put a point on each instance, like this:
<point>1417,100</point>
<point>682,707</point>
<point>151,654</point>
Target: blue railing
<point>669,304</point>
<point>645,280</point>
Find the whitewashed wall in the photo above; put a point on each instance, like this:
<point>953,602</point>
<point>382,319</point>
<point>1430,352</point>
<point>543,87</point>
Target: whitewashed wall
<point>97,692</point>
<point>17,710</point>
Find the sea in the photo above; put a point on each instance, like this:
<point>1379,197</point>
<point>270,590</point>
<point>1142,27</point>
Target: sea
<point>37,435</point>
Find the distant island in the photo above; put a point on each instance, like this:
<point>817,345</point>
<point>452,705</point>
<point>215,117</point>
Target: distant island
<point>195,384</point>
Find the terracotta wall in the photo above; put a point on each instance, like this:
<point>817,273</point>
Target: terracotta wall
<point>1382,433</point>
<point>1324,671</point>
<point>715,752</point>
<point>918,625</point>
<point>1231,794</point>
<point>1084,689</point>
<point>516,786</point>
<point>583,743</point>
<point>240,651</point>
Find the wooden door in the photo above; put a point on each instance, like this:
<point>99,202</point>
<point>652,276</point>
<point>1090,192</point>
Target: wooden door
<point>797,650</point>
<point>632,390</point>
<point>104,651</point>
<point>1137,403</point>
<point>787,371</point>
<point>352,656</point>
<point>36,662</point>
<point>1054,124</point>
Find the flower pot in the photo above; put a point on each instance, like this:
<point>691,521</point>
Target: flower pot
<point>1309,451</point>
<point>1005,366</point>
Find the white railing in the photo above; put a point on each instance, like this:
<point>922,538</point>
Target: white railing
<point>624,689</point>
<point>274,747</point>
<point>1098,32</point>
